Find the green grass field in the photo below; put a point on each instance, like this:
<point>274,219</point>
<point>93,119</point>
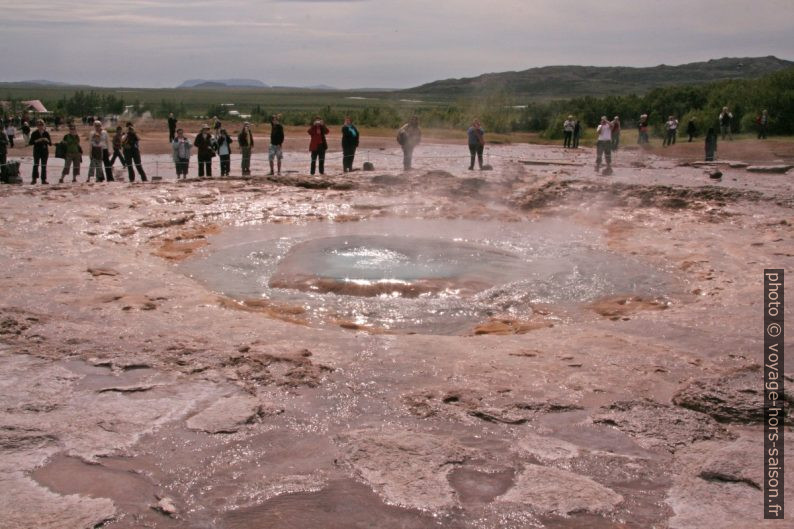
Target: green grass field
<point>197,101</point>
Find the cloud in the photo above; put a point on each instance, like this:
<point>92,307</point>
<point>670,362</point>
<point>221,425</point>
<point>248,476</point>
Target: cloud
<point>402,43</point>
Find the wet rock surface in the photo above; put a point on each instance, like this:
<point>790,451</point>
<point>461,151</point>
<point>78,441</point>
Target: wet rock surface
<point>736,397</point>
<point>656,425</point>
<point>135,395</point>
<point>538,487</point>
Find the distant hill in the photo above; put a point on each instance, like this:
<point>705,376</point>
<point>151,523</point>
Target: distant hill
<point>37,83</point>
<point>575,81</point>
<point>222,83</point>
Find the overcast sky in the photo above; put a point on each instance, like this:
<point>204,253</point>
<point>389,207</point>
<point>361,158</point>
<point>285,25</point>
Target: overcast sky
<point>371,43</point>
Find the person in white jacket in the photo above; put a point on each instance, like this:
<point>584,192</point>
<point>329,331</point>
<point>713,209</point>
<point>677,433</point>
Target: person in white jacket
<point>604,145</point>
<point>567,131</point>
<point>104,140</point>
<point>181,146</point>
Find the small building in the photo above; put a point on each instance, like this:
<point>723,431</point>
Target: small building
<point>33,105</point>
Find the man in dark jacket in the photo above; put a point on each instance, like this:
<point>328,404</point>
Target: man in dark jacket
<point>41,141</point>
<point>206,150</point>
<point>171,127</point>
<point>132,153</point>
<point>349,144</point>
<point>276,141</point>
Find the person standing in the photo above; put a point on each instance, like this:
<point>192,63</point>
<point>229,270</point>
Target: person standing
<point>205,144</point>
<point>105,141</point>
<point>216,124</point>
<point>642,127</point>
<point>41,141</point>
<point>711,144</point>
<point>318,143</point>
<point>25,132</point>
<point>224,143</point>
<point>476,136</point>
<point>691,129</point>
<point>11,132</point>
<point>350,140</point>
<point>132,153</point>
<point>276,150</point>
<point>577,132</point>
<point>171,127</point>
<point>604,145</point>
<point>3,156</point>
<point>763,122</point>
<point>671,131</point>
<point>409,136</point>
<point>726,118</point>
<point>73,154</point>
<point>96,149</point>
<point>615,133</point>
<point>567,132</point>
<point>117,140</point>
<point>181,146</point>
<point>246,141</point>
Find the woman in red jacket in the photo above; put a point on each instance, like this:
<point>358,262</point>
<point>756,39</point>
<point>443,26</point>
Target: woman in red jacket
<point>318,145</point>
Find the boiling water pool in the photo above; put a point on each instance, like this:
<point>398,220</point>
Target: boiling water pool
<point>426,276</point>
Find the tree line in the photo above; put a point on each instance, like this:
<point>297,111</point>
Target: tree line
<point>502,112</point>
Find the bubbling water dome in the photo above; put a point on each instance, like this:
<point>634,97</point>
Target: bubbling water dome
<point>422,276</point>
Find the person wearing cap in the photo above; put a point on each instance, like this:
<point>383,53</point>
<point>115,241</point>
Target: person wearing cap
<point>567,131</point>
<point>41,141</point>
<point>204,143</point>
<point>132,153</point>
<point>105,144</point>
<point>246,141</point>
<point>181,146</point>
<point>96,147</point>
<point>604,144</point>
<point>276,151</point>
<point>73,155</point>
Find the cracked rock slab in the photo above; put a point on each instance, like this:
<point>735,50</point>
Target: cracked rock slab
<point>226,415</point>
<point>27,505</point>
<point>405,467</point>
<point>550,490</point>
<point>655,425</point>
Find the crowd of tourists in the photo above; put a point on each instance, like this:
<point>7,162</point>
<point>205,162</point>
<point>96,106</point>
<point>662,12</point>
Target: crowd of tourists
<point>608,133</point>
<point>213,141</point>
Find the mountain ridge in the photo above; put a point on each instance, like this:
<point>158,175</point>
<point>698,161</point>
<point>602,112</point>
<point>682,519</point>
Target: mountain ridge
<point>565,81</point>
